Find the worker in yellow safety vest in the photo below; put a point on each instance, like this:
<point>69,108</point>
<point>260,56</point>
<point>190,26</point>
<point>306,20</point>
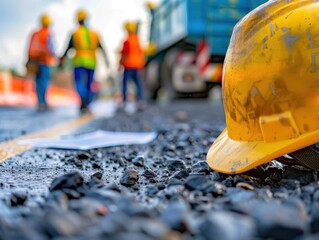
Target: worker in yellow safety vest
<point>85,42</point>
<point>41,58</point>
<point>132,60</point>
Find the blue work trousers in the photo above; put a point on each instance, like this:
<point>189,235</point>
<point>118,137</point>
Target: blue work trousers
<point>132,73</point>
<point>42,81</point>
<point>83,80</point>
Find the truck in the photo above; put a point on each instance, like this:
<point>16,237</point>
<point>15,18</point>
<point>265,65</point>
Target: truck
<point>189,41</point>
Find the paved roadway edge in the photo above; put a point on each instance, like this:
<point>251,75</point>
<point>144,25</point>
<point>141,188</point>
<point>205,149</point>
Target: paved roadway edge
<point>12,148</point>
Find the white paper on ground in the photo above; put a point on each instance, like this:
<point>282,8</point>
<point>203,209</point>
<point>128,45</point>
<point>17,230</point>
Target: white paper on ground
<point>97,139</point>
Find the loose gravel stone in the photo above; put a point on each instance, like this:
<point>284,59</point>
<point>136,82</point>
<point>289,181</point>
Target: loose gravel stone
<point>62,223</point>
<point>130,177</point>
<point>278,221</point>
<point>97,175</point>
<point>88,208</point>
<point>201,167</point>
<point>227,226</point>
<point>174,165</point>
<point>68,181</point>
<point>149,174</point>
<point>103,195</point>
<point>176,216</point>
<point>18,199</point>
<point>174,191</point>
<point>57,199</point>
<point>240,195</point>
<point>152,191</point>
<point>183,174</point>
<point>72,194</point>
<point>139,161</point>
<point>174,181</point>
<point>215,188</point>
<point>195,182</point>
<point>83,156</point>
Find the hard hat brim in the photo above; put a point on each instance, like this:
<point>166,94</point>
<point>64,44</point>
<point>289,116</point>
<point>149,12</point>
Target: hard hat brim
<point>233,157</point>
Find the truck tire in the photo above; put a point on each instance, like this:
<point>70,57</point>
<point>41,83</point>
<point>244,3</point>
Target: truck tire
<point>166,75</point>
<point>152,83</point>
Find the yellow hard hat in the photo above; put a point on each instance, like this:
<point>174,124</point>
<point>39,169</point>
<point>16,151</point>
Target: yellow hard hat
<point>82,15</point>
<point>131,27</point>
<point>45,20</point>
<point>151,5</point>
<point>270,88</point>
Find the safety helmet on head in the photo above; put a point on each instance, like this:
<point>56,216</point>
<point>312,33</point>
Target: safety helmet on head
<point>151,5</point>
<point>271,88</point>
<point>45,20</point>
<point>82,15</point>
<point>130,27</point>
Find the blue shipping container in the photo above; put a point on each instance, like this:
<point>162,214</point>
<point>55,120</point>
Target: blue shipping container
<point>191,20</point>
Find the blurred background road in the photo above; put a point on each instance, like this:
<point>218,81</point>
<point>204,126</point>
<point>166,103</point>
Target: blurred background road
<point>174,51</point>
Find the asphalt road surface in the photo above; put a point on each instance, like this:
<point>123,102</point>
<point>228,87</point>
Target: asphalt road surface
<point>161,190</point>
<point>15,122</point>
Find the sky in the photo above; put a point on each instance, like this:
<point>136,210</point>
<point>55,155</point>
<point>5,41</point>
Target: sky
<point>18,18</point>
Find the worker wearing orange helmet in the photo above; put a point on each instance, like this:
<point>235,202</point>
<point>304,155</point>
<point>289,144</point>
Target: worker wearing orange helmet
<point>85,42</point>
<point>132,60</point>
<point>271,89</point>
<point>41,58</point>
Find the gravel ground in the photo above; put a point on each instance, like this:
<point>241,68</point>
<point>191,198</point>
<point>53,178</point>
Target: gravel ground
<point>163,190</point>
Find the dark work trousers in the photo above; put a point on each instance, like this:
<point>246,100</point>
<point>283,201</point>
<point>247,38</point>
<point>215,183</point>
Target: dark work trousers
<point>83,80</point>
<point>132,73</point>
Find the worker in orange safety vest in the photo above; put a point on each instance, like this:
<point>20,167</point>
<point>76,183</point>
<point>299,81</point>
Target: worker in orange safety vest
<point>41,58</point>
<point>132,60</point>
<point>85,42</point>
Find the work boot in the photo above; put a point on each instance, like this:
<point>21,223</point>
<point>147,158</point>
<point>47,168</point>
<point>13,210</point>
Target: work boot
<point>42,108</point>
<point>83,107</point>
<point>48,108</point>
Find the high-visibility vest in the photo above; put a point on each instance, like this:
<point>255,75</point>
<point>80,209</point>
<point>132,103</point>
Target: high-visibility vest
<point>39,49</point>
<point>85,43</point>
<point>132,54</point>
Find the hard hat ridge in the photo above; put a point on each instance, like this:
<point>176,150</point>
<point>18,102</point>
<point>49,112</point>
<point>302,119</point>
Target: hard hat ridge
<point>82,15</point>
<point>130,26</point>
<point>45,20</point>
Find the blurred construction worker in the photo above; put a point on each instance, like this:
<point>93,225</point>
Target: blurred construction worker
<point>41,58</point>
<point>85,42</point>
<point>132,60</point>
